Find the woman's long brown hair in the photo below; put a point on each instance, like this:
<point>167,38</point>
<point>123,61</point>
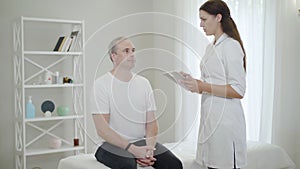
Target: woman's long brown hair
<point>214,7</point>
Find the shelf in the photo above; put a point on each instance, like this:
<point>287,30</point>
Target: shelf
<point>53,118</point>
<point>33,56</point>
<point>51,20</point>
<point>52,86</point>
<point>51,53</point>
<point>32,152</point>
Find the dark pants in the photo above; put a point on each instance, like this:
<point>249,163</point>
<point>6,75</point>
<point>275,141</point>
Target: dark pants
<point>117,158</point>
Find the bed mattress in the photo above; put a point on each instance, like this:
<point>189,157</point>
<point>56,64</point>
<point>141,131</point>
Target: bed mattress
<point>260,155</point>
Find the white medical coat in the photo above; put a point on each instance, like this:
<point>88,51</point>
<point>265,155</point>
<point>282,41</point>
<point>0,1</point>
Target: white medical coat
<point>222,134</point>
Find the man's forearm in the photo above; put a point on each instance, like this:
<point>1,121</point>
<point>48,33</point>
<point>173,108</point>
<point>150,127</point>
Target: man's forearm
<point>104,131</point>
<point>151,133</point>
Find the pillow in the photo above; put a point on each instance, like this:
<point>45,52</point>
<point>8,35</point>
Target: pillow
<point>259,155</point>
<point>267,156</point>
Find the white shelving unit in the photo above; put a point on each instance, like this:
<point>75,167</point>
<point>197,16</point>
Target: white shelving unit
<point>34,41</point>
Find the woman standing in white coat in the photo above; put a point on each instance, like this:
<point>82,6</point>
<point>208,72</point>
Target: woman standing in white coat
<point>222,134</point>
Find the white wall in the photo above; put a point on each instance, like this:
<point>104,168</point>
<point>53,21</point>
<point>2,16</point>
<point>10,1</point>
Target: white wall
<point>173,49</point>
<point>286,131</point>
<point>95,13</point>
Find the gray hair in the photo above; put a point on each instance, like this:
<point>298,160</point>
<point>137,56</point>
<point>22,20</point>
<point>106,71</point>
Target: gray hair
<point>112,47</point>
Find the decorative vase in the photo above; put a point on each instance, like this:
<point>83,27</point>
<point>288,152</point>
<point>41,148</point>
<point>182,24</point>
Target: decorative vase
<point>55,143</point>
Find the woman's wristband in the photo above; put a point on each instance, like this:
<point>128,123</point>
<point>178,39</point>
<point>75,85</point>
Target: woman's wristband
<point>127,147</point>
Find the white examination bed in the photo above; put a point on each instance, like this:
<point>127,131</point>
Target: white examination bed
<point>260,156</point>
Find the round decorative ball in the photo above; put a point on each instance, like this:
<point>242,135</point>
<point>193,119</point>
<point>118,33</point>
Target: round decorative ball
<point>62,110</point>
<point>47,114</point>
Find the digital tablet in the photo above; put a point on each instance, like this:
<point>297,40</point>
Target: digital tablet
<point>174,76</point>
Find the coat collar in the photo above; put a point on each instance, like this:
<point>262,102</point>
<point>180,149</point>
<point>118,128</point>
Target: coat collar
<point>221,39</point>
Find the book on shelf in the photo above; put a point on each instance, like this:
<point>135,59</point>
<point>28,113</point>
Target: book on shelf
<point>59,41</point>
<point>62,44</point>
<point>75,34</point>
<point>66,45</point>
<point>69,43</point>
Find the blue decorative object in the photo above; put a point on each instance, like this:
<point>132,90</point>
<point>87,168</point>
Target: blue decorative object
<point>30,109</point>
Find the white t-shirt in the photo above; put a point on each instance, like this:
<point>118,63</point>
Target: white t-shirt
<point>126,102</point>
